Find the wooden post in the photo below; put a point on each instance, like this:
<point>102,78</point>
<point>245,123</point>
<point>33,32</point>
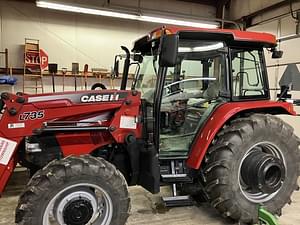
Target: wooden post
<point>6,61</point>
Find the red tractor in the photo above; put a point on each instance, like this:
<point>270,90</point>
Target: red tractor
<point>198,117</point>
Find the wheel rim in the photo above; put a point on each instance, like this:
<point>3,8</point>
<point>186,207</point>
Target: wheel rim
<point>82,203</point>
<point>270,167</point>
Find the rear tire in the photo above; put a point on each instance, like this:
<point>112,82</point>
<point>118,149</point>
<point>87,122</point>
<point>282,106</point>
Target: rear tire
<point>75,190</point>
<point>222,173</point>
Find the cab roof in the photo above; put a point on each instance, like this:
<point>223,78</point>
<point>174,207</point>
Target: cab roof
<point>231,37</point>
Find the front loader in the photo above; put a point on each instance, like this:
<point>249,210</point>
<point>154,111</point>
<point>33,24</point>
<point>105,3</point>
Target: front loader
<point>198,116</point>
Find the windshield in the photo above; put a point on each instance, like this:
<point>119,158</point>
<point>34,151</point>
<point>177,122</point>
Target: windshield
<point>197,73</point>
<point>146,79</point>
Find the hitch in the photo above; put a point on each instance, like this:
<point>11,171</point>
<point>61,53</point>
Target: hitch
<point>266,218</point>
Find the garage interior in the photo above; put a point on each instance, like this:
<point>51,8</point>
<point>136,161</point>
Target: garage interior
<point>77,50</point>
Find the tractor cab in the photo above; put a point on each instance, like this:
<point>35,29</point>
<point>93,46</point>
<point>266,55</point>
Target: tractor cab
<point>186,73</point>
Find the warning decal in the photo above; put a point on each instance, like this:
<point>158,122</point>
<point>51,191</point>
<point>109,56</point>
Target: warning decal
<point>128,122</point>
<point>7,148</point>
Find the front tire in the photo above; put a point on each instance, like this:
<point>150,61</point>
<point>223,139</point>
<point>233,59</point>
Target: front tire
<point>253,161</point>
<point>75,190</point>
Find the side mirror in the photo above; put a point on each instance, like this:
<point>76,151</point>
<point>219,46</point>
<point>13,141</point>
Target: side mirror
<point>276,54</point>
<point>116,68</point>
<point>138,58</point>
<point>168,50</point>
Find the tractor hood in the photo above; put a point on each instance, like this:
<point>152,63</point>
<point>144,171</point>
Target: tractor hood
<point>24,114</point>
<point>81,97</point>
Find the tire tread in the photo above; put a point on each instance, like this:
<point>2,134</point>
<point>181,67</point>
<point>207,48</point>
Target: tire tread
<point>221,153</point>
<point>57,172</point>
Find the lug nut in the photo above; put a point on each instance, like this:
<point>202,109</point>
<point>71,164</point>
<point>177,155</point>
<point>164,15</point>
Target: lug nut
<point>112,129</point>
<point>20,100</point>
<point>134,92</point>
<point>12,111</point>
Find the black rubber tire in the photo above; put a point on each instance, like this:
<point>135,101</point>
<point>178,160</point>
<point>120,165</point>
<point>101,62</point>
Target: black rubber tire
<point>59,174</point>
<point>225,155</point>
<point>98,85</point>
<point>2,104</point>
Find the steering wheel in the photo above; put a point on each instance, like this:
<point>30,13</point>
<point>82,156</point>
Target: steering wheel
<point>170,92</point>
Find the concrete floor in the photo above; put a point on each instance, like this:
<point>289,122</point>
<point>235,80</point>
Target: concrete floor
<point>147,208</point>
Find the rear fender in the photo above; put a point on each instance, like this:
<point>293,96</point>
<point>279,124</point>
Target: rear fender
<point>8,159</point>
<point>222,115</point>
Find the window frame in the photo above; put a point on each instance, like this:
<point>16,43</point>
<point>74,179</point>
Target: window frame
<point>265,80</point>
<point>224,93</point>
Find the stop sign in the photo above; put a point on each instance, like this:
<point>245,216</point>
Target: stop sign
<point>43,59</point>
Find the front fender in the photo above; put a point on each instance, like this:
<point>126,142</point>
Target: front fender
<point>223,114</point>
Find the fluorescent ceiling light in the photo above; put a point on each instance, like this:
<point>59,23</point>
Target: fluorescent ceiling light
<point>100,12</point>
<point>209,47</point>
<point>69,8</point>
<point>175,22</point>
<point>202,48</point>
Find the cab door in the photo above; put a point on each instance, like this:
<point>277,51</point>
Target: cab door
<point>191,93</point>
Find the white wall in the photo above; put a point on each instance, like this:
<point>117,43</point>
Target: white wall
<point>65,37</point>
<point>70,37</point>
<point>239,8</point>
<point>281,27</point>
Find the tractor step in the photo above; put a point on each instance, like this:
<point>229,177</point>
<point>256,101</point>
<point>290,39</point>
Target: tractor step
<point>173,172</point>
<point>176,178</point>
<point>176,201</point>
<point>163,157</point>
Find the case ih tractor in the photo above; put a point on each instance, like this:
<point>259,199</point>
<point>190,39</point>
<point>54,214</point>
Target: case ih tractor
<point>198,117</point>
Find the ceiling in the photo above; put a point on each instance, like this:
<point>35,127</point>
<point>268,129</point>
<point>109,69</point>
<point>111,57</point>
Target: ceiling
<point>216,3</point>
<point>205,2</point>
<point>231,5</point>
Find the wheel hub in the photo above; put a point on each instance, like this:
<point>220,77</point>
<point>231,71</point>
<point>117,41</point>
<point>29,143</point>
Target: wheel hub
<point>77,206</point>
<point>78,212</point>
<point>263,172</point>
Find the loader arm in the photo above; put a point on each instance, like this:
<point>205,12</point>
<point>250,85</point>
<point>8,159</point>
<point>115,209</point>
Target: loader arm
<point>62,122</point>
